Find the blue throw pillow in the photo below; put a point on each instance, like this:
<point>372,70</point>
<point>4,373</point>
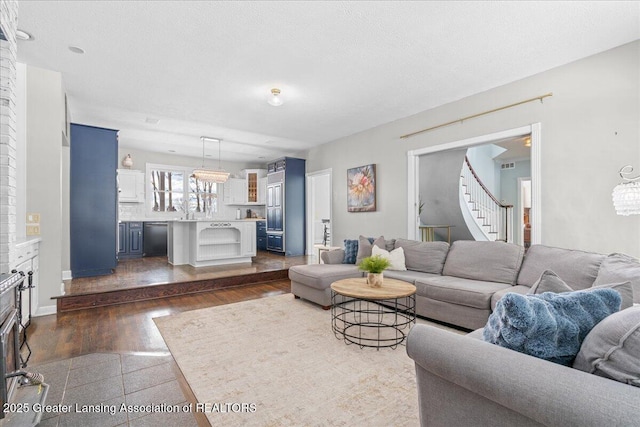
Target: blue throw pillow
<point>350,251</point>
<point>549,326</point>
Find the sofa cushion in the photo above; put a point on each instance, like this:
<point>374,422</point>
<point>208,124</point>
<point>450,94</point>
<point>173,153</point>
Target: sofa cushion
<point>334,256</point>
<point>427,257</point>
<point>549,326</point>
<point>408,275</point>
<point>455,290</point>
<point>612,348</point>
<point>395,257</point>
<point>578,269</point>
<point>321,276</point>
<point>518,289</point>
<point>550,282</point>
<point>486,261</point>
<point>350,251</point>
<point>620,268</point>
<point>365,244</point>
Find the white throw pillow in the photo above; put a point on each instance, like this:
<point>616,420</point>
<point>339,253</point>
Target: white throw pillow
<point>396,257</point>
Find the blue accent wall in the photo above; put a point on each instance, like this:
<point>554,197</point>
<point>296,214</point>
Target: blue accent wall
<point>93,200</point>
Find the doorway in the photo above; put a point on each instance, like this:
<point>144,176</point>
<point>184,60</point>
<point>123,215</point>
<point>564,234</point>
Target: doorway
<point>413,174</point>
<point>318,209</point>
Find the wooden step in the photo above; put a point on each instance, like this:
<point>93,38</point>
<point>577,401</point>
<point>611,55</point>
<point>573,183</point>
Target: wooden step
<point>79,301</point>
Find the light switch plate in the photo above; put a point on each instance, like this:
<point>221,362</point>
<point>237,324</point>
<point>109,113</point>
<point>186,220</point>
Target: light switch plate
<point>33,218</point>
<point>33,230</point>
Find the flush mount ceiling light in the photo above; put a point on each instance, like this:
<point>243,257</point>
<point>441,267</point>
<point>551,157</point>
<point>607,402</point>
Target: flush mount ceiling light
<point>275,99</point>
<point>626,195</point>
<point>219,176</point>
<point>76,49</point>
<point>23,35</point>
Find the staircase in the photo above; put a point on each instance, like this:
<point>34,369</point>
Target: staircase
<point>493,220</point>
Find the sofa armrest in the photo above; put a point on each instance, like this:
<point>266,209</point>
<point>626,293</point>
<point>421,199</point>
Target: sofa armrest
<point>538,390</point>
<point>334,256</point>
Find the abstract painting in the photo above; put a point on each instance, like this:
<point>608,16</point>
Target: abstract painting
<point>361,189</point>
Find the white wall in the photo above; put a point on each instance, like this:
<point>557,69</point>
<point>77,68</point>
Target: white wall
<point>589,130</point>
<point>44,174</point>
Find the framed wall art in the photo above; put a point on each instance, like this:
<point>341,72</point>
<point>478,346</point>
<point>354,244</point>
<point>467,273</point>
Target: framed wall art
<point>361,189</point>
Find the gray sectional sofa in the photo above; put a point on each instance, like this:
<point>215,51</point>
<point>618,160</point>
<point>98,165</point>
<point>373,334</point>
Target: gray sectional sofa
<point>465,381</point>
<point>461,284</point>
<point>468,382</point>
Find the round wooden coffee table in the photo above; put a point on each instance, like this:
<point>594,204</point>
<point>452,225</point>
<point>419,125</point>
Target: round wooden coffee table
<point>372,317</point>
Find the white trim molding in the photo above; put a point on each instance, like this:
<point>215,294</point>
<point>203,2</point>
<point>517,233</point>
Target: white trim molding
<point>309,210</point>
<point>413,173</point>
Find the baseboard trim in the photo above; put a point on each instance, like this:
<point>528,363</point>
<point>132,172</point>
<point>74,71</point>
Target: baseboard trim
<point>45,311</point>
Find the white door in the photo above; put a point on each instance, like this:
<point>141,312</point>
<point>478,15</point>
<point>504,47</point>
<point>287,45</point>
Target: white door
<point>319,192</point>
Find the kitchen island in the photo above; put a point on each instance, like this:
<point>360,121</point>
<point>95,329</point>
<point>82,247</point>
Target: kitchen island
<point>202,243</point>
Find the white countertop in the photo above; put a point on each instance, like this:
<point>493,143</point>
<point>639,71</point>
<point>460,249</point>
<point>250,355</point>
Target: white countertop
<point>215,220</point>
<point>27,241</point>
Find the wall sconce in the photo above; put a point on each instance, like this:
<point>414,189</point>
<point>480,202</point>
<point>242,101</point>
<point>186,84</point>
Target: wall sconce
<point>127,161</point>
<point>626,195</point>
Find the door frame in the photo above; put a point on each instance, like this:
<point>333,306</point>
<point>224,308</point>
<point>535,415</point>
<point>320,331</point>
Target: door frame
<point>310,197</point>
<point>413,173</point>
<point>520,223</point>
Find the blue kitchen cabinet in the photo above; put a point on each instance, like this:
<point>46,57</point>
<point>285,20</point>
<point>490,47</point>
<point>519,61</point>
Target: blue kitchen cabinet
<point>261,235</point>
<point>93,201</point>
<point>131,240</point>
<point>122,238</point>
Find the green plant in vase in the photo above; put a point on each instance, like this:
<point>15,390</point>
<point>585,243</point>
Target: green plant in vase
<point>374,266</point>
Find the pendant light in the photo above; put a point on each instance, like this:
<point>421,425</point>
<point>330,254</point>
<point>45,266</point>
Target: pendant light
<point>219,176</point>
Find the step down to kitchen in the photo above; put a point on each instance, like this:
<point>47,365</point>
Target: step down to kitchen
<point>153,278</point>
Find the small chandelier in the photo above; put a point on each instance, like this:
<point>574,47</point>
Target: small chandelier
<point>626,195</point>
<point>275,99</point>
<point>219,176</point>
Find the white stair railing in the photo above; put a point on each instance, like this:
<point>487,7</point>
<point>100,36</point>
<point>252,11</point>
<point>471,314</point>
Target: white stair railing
<point>493,217</point>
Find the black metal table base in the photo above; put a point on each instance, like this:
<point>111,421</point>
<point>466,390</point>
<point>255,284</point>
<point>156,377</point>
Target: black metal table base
<point>372,323</point>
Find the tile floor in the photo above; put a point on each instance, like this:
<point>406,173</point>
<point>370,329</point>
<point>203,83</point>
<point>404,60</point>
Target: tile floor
<point>104,382</point>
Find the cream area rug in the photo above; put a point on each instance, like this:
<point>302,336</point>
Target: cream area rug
<point>276,362</point>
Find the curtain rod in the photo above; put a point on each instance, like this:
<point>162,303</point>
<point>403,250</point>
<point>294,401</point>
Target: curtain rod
<point>540,98</point>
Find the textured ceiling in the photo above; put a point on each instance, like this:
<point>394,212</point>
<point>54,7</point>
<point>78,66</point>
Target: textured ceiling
<point>206,68</point>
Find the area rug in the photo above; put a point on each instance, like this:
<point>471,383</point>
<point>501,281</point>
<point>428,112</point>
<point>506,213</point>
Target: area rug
<point>275,361</point>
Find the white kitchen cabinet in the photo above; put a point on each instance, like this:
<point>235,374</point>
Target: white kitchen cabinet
<point>130,186</point>
<point>27,259</point>
<point>249,239</point>
<point>249,190</point>
<point>235,192</point>
<point>262,191</point>
<point>205,242</point>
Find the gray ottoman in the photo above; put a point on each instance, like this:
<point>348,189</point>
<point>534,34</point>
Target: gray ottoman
<point>313,282</point>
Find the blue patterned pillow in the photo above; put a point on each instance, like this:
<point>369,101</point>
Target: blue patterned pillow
<point>350,251</point>
<point>549,326</point>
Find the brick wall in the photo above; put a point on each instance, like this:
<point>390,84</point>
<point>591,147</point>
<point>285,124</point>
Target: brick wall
<point>8,54</point>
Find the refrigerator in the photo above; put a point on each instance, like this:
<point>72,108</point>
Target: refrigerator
<point>286,222</point>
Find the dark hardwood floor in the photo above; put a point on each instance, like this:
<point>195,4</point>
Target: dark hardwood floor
<point>153,277</point>
<point>127,328</point>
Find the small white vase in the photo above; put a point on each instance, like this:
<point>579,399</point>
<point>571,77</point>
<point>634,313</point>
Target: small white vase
<point>374,279</point>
